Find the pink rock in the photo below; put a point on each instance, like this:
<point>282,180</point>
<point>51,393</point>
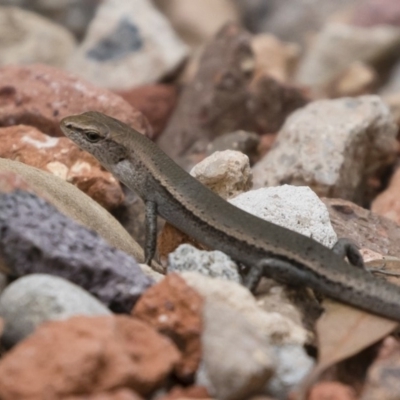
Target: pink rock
<point>40,95</point>
<point>332,391</point>
<point>61,157</point>
<point>86,356</point>
<point>175,309</point>
<point>377,12</point>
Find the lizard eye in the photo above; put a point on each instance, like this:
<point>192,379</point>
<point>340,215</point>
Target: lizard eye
<point>93,137</point>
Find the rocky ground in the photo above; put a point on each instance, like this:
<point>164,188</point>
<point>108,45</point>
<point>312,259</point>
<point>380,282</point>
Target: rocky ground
<point>288,109</point>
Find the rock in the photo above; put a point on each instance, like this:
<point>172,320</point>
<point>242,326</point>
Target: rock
<point>196,22</point>
<point>291,20</point>
<point>273,57</point>
<point>275,328</point>
<point>122,48</point>
<point>381,380</point>
<point>190,392</point>
<point>248,361</point>
<point>62,158</point>
<point>174,309</point>
<point>88,355</point>
<point>365,228</point>
<point>296,208</point>
<point>226,172</point>
<point>59,246</point>
<point>332,391</point>
<point>156,102</point>
<point>387,203</point>
<point>40,96</point>
<point>74,15</point>
<point>243,141</point>
<point>209,263</point>
<point>29,301</point>
<point>70,201</point>
<point>351,141</point>
<point>225,95</point>
<point>345,44</point>
<point>376,12</point>
<point>358,79</point>
<point>119,394</point>
<point>29,38</point>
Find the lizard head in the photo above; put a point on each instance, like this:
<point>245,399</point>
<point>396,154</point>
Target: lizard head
<point>93,131</point>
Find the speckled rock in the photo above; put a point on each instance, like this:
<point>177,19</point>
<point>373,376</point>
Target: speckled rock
<point>226,172</point>
<point>345,44</point>
<point>62,158</point>
<point>209,263</point>
<point>59,246</point>
<point>122,49</point>
<point>248,362</point>
<point>87,355</point>
<point>29,301</point>
<point>175,309</point>
<point>40,96</point>
<point>296,208</point>
<point>29,38</point>
<point>351,141</point>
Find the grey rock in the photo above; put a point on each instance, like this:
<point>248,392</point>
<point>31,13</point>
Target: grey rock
<point>36,298</point>
<point>333,146</point>
<point>30,38</point>
<point>237,361</point>
<point>37,238</point>
<point>209,263</point>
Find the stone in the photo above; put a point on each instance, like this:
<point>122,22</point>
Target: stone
<point>174,309</point>
<point>366,229</point>
<point>226,94</point>
<point>275,328</point>
<point>332,391</point>
<point>351,141</point>
<point>89,355</point>
<point>243,141</point>
<point>387,203</point>
<point>296,208</point>
<point>122,49</point>
<point>382,376</point>
<point>376,12</point>
<point>37,238</point>
<point>345,44</point>
<point>274,57</point>
<point>156,102</point>
<point>119,394</point>
<point>62,158</point>
<point>30,38</point>
<point>188,392</point>
<point>40,96</point>
<point>197,21</point>
<point>70,201</point>
<point>33,299</point>
<point>247,360</point>
<point>209,263</point>
<point>226,173</point>
<point>74,15</point>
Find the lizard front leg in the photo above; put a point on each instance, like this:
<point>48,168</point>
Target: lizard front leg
<point>346,248</point>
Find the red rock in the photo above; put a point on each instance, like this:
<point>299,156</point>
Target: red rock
<point>121,394</point>
<point>156,102</point>
<point>175,309</point>
<point>85,356</point>
<point>10,181</point>
<point>331,391</point>
<point>377,12</point>
<point>191,392</point>
<point>61,157</point>
<point>40,95</point>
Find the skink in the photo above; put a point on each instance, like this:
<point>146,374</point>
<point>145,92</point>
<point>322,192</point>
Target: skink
<point>172,193</point>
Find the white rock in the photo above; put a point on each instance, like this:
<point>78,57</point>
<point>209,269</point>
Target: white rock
<point>28,38</point>
<point>333,146</point>
<point>227,173</point>
<point>296,208</point>
<point>128,43</point>
<point>209,263</point>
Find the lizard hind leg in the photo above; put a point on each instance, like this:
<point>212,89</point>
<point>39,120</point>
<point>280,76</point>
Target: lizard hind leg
<point>346,248</point>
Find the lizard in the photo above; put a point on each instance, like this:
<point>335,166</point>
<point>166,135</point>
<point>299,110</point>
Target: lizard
<point>265,248</point>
